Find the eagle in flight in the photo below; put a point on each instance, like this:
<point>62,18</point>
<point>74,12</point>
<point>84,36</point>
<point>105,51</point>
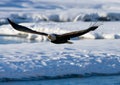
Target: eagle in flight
<point>54,38</point>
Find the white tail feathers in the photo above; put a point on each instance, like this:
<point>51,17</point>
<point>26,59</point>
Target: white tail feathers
<point>69,42</point>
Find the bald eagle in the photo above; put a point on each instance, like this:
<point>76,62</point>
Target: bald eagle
<point>54,38</point>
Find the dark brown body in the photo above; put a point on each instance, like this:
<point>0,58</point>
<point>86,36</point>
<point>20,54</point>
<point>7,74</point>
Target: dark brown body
<point>60,40</point>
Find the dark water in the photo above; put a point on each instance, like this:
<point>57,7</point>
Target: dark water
<point>98,80</point>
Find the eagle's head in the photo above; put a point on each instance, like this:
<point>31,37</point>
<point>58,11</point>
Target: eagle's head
<point>52,37</point>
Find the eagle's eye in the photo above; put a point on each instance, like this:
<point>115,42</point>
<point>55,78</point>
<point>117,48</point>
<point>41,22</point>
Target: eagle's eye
<point>52,37</point>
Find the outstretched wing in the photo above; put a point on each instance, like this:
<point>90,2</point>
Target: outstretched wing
<point>25,29</point>
<point>78,33</point>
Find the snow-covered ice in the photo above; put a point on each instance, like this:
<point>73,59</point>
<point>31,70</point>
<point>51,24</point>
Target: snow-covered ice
<point>47,59</point>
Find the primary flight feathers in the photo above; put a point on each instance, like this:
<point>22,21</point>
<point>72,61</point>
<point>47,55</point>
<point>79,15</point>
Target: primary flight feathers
<point>24,29</point>
<point>54,38</point>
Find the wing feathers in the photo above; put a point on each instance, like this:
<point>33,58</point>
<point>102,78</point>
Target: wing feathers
<point>65,36</point>
<point>25,29</point>
<point>78,33</point>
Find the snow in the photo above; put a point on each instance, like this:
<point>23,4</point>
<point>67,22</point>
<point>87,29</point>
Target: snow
<point>85,56</point>
<point>57,10</point>
<point>96,52</point>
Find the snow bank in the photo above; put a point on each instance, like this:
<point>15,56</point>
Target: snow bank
<point>62,17</point>
<point>37,61</point>
<point>109,30</point>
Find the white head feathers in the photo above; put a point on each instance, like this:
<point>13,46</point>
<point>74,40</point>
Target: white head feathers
<point>52,37</point>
